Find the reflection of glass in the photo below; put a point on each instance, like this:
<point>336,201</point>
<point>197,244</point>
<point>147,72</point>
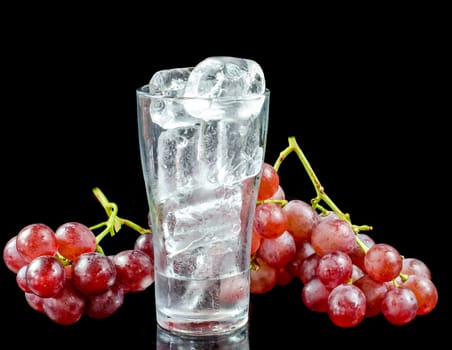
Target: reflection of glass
<point>237,340</point>
<point>202,177</point>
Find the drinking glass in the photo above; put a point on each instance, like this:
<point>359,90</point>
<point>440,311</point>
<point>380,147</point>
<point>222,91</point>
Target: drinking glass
<point>201,161</point>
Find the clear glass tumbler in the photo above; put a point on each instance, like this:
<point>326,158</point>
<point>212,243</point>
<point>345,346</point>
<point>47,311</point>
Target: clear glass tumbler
<point>202,161</point>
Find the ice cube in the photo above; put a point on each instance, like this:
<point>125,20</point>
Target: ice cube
<point>177,162</point>
<point>224,87</point>
<point>169,82</point>
<point>225,77</point>
<point>168,111</point>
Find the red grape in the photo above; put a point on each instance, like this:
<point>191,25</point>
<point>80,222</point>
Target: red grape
<point>93,273</point>
<point>308,267</point>
<point>11,256</point>
<point>256,240</point>
<point>279,194</point>
<point>331,235</point>
<point>425,292</point>
<point>262,279</point>
<point>374,291</point>
<point>74,239</point>
<point>35,301</point>
<point>334,268</point>
<point>283,276</point>
<point>270,221</point>
<point>45,276</point>
<point>278,252</point>
<point>357,253</point>
<point>21,279</point>
<point>66,308</point>
<point>105,304</point>
<point>399,306</point>
<point>301,219</point>
<point>346,305</point>
<point>134,269</point>
<point>414,266</point>
<point>144,243</point>
<point>269,182</point>
<point>36,240</point>
<point>383,262</point>
<point>315,295</point>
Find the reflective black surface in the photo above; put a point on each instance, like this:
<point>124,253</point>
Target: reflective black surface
<point>365,99</point>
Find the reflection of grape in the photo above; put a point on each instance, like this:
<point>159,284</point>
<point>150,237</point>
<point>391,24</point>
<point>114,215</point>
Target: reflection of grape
<point>233,289</point>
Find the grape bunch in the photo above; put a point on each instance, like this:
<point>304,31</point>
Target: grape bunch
<point>65,274</point>
<point>343,271</point>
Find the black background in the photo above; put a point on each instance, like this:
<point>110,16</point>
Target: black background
<point>363,90</point>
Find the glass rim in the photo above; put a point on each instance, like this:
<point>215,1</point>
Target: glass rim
<point>144,91</point>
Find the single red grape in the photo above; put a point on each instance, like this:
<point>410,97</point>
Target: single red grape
<point>11,256</point>
<point>93,273</point>
<point>278,252</point>
<point>263,279</point>
<point>331,235</point>
<point>36,240</point>
<point>269,182</point>
<point>383,262</point>
<point>346,305</point>
<point>270,221</point>
<point>135,270</point>
<point>45,276</point>
<point>301,219</point>
<point>66,308</point>
<point>399,306</point>
<point>74,239</point>
<point>424,290</point>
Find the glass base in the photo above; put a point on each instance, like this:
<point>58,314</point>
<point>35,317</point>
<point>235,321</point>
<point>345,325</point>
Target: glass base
<point>207,328</point>
<point>236,339</point>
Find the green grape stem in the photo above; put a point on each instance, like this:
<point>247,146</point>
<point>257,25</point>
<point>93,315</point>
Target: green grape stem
<point>321,195</point>
<point>281,202</point>
<point>114,223</point>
